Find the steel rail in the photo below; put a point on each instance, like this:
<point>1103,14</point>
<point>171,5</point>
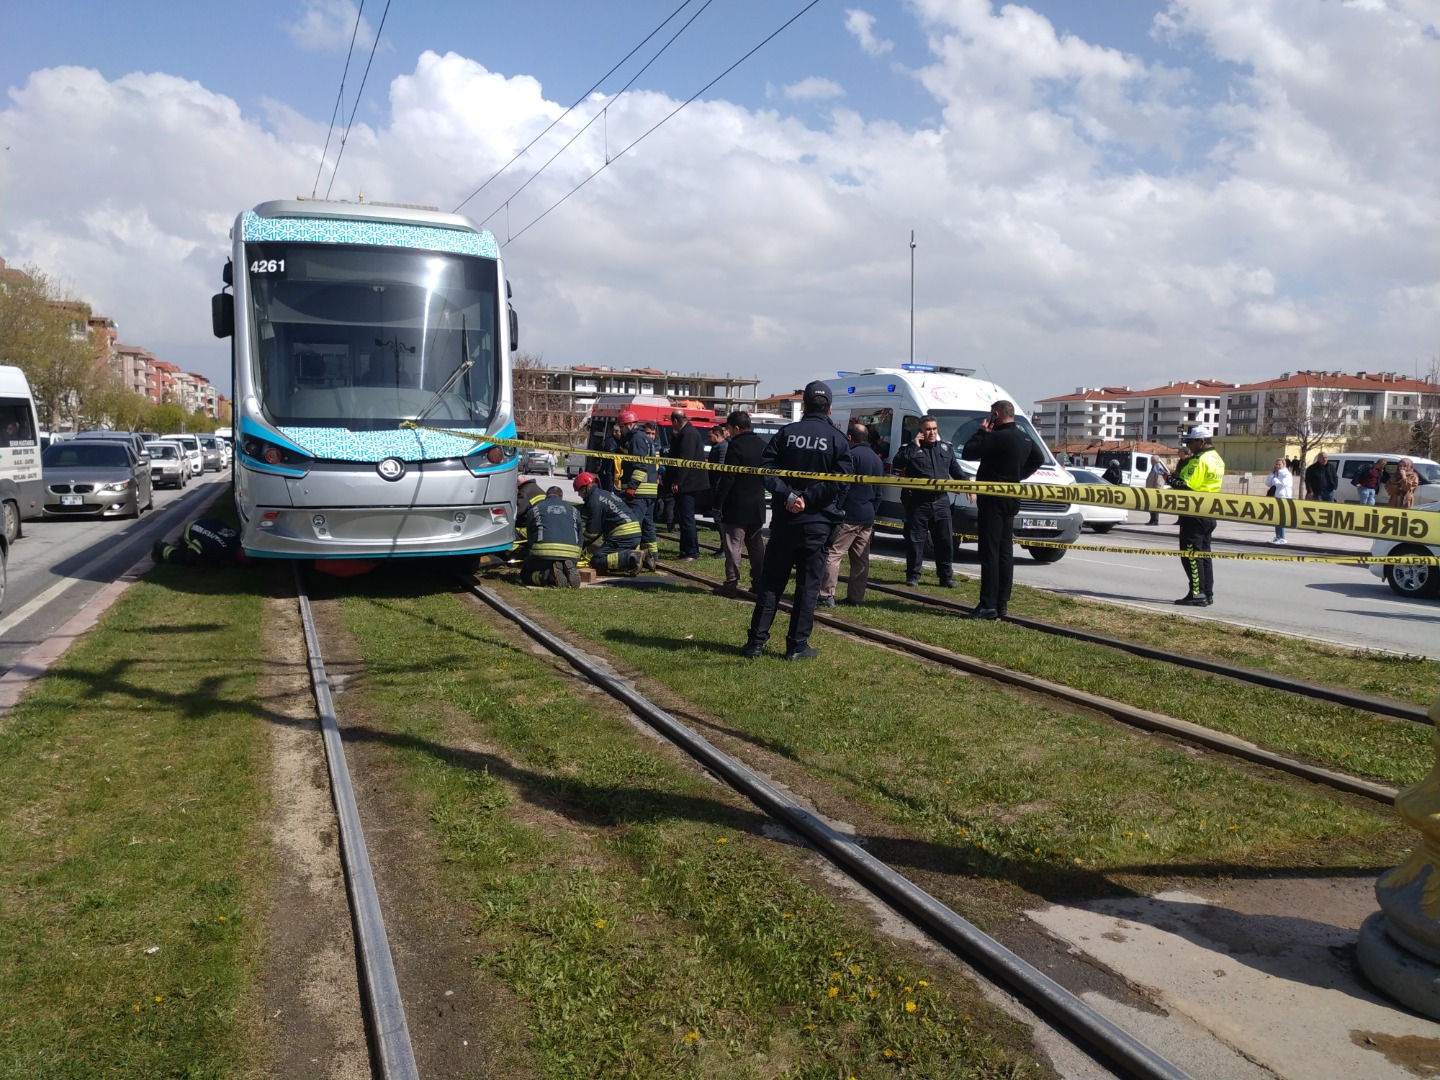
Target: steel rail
<point>1101,1037</point>
<point>1117,710</point>
<point>384,1009</point>
<point>1334,695</point>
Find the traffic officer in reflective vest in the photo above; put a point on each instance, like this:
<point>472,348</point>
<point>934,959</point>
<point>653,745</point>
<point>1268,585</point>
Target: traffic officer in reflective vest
<point>1203,470</point>
<point>554,543</point>
<point>641,486</point>
<point>612,535</point>
<point>527,497</point>
<point>803,518</point>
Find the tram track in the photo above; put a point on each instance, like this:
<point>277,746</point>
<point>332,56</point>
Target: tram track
<point>1334,695</point>
<point>1105,1041</point>
<point>1159,723</point>
<point>385,1024</point>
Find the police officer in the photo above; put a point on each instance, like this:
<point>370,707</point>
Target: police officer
<point>612,535</point>
<point>804,515</point>
<point>529,494</point>
<point>205,542</point>
<point>1007,455</point>
<point>555,536</point>
<point>1203,470</point>
<point>641,483</point>
<point>928,512</point>
<point>605,467</point>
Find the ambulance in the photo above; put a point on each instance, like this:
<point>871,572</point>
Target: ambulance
<point>889,401</point>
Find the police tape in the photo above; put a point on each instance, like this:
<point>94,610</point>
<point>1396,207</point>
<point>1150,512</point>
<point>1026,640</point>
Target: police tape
<point>1254,556</point>
<point>1376,522</point>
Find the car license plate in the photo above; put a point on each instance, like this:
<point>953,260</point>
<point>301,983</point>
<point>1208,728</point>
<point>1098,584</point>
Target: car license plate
<point>1035,523</point>
<point>71,500</point>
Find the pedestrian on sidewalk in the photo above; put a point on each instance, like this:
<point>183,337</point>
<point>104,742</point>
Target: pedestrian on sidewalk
<point>1403,483</point>
<point>1319,480</point>
<point>1156,478</point>
<point>1280,488</point>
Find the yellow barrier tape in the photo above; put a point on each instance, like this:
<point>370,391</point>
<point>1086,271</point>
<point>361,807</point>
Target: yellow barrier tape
<point>1381,522</point>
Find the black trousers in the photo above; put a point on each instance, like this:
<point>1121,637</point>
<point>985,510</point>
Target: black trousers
<point>797,548</point>
<point>643,507</point>
<point>995,521</point>
<point>1195,533</point>
<point>930,518</point>
<point>685,522</point>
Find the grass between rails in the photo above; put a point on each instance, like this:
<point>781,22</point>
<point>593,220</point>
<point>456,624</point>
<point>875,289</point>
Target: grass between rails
<point>1394,751</point>
<point>633,907</point>
<point>132,852</point>
<point>1010,787</point>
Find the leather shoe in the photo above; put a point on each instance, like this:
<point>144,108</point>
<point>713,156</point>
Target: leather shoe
<point>825,601</point>
<point>751,651</point>
<point>912,583</point>
<point>806,653</point>
<point>947,584</point>
<point>982,613</point>
<point>1194,601</point>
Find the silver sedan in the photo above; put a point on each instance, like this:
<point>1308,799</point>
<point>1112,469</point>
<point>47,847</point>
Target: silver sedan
<point>99,477</point>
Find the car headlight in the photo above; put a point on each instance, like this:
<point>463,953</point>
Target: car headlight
<point>118,486</point>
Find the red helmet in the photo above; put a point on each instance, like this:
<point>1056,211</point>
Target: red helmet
<point>628,417</point>
<point>584,480</point>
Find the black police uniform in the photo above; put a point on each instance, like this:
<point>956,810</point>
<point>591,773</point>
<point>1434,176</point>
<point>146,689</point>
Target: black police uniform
<point>555,539</point>
<point>205,542</point>
<point>928,512</point>
<point>1006,455</point>
<point>612,535</point>
<point>798,541</point>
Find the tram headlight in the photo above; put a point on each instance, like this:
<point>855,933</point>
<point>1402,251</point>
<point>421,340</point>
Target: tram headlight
<point>268,453</point>
<point>477,461</point>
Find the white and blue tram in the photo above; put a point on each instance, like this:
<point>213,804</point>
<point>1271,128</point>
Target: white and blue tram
<point>346,320</point>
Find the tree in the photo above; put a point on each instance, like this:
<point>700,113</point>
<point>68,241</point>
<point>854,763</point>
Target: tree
<point>45,333</point>
<point>540,412</point>
<point>1310,413</point>
<point>109,403</point>
<point>1425,434</point>
<point>1381,437</point>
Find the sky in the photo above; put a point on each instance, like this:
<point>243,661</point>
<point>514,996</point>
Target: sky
<point>1116,194</point>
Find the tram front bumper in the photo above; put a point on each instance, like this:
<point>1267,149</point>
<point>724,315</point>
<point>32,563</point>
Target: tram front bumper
<point>377,532</point>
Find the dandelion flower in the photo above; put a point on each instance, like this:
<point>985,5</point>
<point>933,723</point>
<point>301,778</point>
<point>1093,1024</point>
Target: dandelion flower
<point>834,991</point>
<point>1234,828</point>
<point>722,840</point>
<point>220,919</point>
<point>787,915</point>
<point>909,1006</point>
<point>159,998</point>
<point>1127,834</point>
<point>909,990</point>
<point>834,976</point>
<point>889,1053</point>
<point>137,1006</point>
<point>599,924</point>
<point>922,983</point>
<point>854,969</point>
<point>809,1027</point>
<point>837,953</point>
<point>851,997</point>
<point>692,1036</point>
<point>873,995</point>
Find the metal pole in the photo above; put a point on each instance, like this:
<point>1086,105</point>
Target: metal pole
<point>912,296</point>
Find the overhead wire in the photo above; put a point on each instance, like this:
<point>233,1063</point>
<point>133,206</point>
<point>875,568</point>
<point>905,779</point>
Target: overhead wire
<point>573,107</point>
<point>339,100</point>
<point>621,153</point>
<point>603,112</point>
<point>358,95</point>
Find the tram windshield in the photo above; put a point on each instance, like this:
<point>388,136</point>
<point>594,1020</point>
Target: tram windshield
<point>363,338</point>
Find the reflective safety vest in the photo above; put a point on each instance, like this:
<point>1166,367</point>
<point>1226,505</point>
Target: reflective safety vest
<point>556,528</point>
<point>607,517</point>
<point>1204,471</point>
<point>642,476</point>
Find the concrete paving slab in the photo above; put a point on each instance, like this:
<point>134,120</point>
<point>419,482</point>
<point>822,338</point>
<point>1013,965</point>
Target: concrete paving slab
<point>1266,969</point>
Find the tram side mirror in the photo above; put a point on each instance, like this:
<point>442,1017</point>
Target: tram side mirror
<point>227,273</point>
<point>514,330</point>
<point>222,314</point>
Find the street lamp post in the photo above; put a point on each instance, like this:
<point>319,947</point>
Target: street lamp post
<point>912,296</point>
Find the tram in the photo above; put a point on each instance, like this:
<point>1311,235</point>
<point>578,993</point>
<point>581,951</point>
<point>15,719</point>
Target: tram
<point>346,320</point>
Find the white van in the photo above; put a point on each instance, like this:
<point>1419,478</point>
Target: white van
<point>22,486</point>
<point>1346,467</point>
<point>890,402</point>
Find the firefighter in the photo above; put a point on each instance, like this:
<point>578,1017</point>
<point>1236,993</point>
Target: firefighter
<point>205,542</point>
<point>555,530</point>
<point>529,495</point>
<point>641,486</point>
<point>612,535</point>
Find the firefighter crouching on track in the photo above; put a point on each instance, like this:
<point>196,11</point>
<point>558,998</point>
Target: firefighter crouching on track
<point>641,483</point>
<point>205,542</point>
<point>612,535</point>
<point>529,495</point>
<point>1203,470</point>
<point>803,521</point>
<point>555,536</point>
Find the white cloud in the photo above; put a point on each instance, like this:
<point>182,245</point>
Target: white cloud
<point>1082,215</point>
<point>862,25</point>
<point>329,25</point>
<point>814,89</point>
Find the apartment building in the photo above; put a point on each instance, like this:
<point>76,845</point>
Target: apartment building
<point>1330,400</point>
<point>576,388</point>
<point>1087,415</point>
<point>1159,414</point>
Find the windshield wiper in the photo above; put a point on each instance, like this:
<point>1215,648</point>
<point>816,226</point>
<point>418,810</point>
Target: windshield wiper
<point>466,363</point>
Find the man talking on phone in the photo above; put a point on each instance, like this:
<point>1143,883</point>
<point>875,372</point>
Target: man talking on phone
<point>928,512</point>
<point>1007,455</point>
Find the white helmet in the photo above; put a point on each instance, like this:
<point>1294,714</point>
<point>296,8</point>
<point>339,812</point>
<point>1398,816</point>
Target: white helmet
<point>1199,432</point>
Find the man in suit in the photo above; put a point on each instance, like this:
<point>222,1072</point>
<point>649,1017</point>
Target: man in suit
<point>686,445</point>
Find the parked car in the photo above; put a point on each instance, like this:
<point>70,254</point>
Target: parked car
<point>1100,519</point>
<point>133,439</point>
<point>99,476</point>
<point>168,465</point>
<point>1420,582</point>
<point>537,461</point>
<point>212,458</point>
<point>193,454</point>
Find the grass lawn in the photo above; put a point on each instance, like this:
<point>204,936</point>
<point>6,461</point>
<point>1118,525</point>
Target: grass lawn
<point>133,855</point>
<point>633,907</point>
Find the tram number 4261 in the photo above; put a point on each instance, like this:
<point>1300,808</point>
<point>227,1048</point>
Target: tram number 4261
<point>267,266</point>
